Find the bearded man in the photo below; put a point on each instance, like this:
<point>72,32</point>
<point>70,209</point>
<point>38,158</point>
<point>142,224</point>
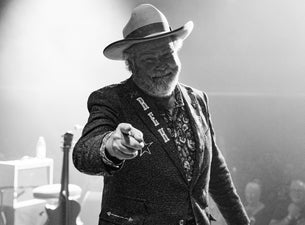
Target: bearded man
<point>151,137</point>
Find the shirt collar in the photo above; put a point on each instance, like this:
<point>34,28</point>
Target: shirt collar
<point>178,97</point>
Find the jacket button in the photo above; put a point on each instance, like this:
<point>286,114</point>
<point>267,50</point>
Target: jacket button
<point>181,222</point>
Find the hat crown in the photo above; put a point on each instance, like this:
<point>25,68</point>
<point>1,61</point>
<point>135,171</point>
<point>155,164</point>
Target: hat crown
<point>146,23</point>
<point>145,20</point>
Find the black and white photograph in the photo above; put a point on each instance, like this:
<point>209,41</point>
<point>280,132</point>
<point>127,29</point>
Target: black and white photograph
<point>151,112</point>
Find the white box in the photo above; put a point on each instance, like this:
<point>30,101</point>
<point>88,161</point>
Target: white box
<point>19,177</point>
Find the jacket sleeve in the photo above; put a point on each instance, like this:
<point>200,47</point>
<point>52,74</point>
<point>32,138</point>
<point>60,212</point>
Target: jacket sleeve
<point>221,186</point>
<point>103,106</point>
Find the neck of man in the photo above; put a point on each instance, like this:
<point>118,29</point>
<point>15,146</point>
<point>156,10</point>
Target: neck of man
<point>167,102</point>
<point>254,208</point>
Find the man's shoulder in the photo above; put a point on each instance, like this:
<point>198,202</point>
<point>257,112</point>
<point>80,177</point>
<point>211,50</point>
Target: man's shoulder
<point>194,91</point>
<point>108,94</point>
<point>111,88</point>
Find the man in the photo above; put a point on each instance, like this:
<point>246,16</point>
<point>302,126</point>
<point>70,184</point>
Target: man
<point>151,137</point>
<point>257,211</point>
<point>293,212</point>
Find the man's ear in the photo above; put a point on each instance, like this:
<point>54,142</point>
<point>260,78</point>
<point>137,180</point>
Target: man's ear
<point>132,64</point>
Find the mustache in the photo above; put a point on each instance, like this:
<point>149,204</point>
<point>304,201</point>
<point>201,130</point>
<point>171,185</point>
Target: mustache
<point>165,72</point>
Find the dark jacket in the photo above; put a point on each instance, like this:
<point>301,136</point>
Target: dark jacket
<point>152,189</point>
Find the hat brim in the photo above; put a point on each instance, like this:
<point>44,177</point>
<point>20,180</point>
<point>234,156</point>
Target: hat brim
<point>115,50</point>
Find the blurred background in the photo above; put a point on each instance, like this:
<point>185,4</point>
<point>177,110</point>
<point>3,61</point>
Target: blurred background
<point>246,55</point>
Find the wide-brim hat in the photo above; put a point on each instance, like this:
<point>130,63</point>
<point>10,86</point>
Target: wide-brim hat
<point>146,23</point>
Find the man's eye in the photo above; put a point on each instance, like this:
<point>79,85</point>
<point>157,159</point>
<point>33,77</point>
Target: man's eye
<point>149,60</point>
<point>168,55</point>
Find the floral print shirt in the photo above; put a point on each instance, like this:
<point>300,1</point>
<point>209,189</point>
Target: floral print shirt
<point>180,129</point>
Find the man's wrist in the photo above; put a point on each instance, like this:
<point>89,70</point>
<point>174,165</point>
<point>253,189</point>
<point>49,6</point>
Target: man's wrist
<point>106,157</point>
<point>112,158</point>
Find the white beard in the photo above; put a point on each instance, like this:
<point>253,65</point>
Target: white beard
<point>159,87</point>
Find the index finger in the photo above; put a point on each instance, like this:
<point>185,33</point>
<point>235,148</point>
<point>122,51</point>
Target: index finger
<point>125,128</point>
<point>136,134</point>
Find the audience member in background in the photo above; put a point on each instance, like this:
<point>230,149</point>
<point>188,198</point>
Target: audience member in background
<point>256,209</point>
<point>293,211</point>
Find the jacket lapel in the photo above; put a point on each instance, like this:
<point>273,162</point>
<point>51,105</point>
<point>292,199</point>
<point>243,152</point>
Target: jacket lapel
<point>146,109</point>
<point>200,127</point>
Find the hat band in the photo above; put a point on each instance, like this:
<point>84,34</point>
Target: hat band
<point>148,30</point>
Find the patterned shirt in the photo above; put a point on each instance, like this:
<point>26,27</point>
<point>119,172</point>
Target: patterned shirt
<point>180,129</point>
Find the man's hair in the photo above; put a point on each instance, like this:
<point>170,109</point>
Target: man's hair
<point>256,182</point>
<point>130,53</point>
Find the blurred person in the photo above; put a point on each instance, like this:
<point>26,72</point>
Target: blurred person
<point>293,211</point>
<point>151,137</point>
<point>255,208</point>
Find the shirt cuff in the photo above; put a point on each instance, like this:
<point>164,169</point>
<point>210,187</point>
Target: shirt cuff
<point>106,157</point>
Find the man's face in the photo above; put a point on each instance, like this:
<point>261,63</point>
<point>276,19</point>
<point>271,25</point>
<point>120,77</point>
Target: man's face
<point>297,192</point>
<point>252,193</point>
<point>157,67</point>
